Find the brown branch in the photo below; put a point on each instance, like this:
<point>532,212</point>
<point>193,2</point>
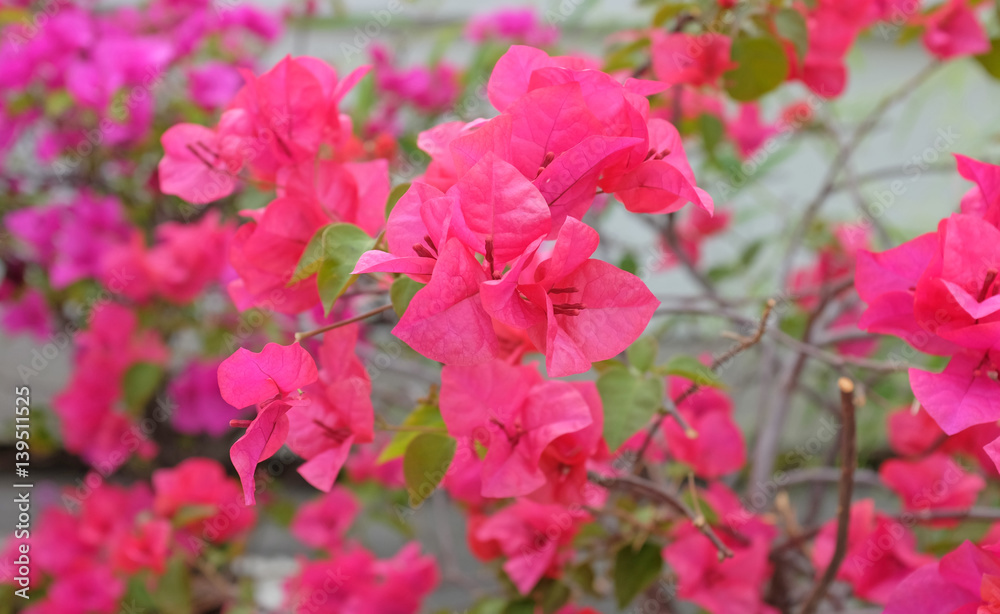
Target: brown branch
<point>847,462</point>
<point>651,490</point>
<point>358,318</point>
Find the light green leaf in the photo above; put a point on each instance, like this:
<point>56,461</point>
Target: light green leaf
<point>331,255</point>
<point>691,368</point>
<point>635,570</point>
<point>423,415</point>
<point>394,196</point>
<point>629,403</point>
<point>426,460</point>
<point>990,60</point>
<point>140,384</point>
<point>402,292</point>
<point>642,353</point>
<point>791,25</point>
<point>761,67</point>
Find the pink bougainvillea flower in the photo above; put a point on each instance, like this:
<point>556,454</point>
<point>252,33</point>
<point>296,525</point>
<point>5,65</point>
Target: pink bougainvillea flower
<point>567,459</point>
<point>734,585</point>
<point>191,167</point>
<point>691,59</point>
<point>966,579</point>
<point>956,297</point>
<point>270,380</point>
<point>516,414</point>
<point>324,522</point>
<point>962,395</point>
<point>520,25</point>
<point>535,539</point>
<point>887,282</point>
<point>29,313</point>
<point>833,25</point>
<point>200,406</point>
<point>201,500</point>
<point>912,434</point>
<point>355,581</point>
<point>953,30</point>
<point>984,199</point>
<point>935,481</point>
<point>87,588</point>
<point>747,130</point>
<point>339,413</point>
<point>213,84</point>
<point>873,577</point>
<point>719,447</point>
<point>144,547</point>
<point>578,309</point>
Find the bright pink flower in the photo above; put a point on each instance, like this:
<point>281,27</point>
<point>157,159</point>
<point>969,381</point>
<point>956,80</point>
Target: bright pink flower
<point>270,380</point>
<point>87,589</point>
<point>324,522</point>
<point>145,546</point>
<point>962,395</point>
<point>966,580</point>
<point>833,25</point>
<point>200,406</point>
<point>732,586</point>
<point>516,414</point>
<point>520,25</point>
<point>935,481</point>
<point>912,434</point>
<point>956,297</point>
<point>881,552</point>
<point>953,30</point>
<point>210,504</point>
<point>213,84</point>
<point>355,581</point>
<point>887,282</point>
<point>577,309</point>
<point>719,447</point>
<point>984,199</point>
<point>70,239</point>
<point>534,538</point>
<point>28,314</point>
<point>362,464</point>
<point>748,132</point>
<point>690,59</point>
<point>339,413</point>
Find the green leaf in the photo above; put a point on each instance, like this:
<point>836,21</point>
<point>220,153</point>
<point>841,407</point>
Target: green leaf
<point>554,596</point>
<point>394,196</point>
<point>761,67</point>
<point>629,264</point>
<point>331,255</point>
<point>668,12</point>
<point>791,26</point>
<point>173,591</point>
<point>635,570</point>
<point>426,460</point>
<point>691,368</point>
<point>489,605</point>
<point>990,60</point>
<point>140,384</point>
<point>423,415</point>
<point>712,131</point>
<point>521,606</point>
<point>402,292</point>
<point>629,403</point>
<point>642,353</point>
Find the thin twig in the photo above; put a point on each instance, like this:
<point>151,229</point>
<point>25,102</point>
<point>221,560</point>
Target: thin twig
<point>358,318</point>
<point>842,158</point>
<point>670,408</point>
<point>651,490</point>
<point>848,461</point>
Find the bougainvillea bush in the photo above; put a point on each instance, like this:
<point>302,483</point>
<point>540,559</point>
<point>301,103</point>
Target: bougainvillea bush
<point>313,294</point>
